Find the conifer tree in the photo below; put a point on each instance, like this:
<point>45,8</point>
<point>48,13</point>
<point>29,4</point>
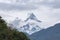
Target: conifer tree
<point>8,34</point>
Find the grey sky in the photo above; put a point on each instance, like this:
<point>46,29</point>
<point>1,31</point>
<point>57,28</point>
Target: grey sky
<point>53,3</point>
<point>28,4</point>
<point>5,6</point>
<point>48,11</point>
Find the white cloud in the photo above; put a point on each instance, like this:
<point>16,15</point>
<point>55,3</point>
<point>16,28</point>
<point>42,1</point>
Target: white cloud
<point>48,11</point>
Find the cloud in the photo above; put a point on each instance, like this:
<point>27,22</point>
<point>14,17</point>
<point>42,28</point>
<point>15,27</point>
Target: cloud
<point>18,5</point>
<point>27,4</point>
<point>5,6</point>
<point>48,11</point>
<point>51,3</point>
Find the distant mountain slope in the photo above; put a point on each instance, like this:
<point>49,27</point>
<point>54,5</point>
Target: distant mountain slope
<point>52,33</point>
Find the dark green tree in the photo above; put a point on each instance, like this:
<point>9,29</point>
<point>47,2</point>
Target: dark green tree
<point>8,34</point>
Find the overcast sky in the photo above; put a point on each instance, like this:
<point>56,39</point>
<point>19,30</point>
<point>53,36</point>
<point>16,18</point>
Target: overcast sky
<point>48,11</point>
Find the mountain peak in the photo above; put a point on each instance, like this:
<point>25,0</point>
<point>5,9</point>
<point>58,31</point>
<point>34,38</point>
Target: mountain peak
<point>32,17</point>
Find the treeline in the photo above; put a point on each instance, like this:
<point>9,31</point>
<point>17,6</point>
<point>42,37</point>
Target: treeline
<point>8,34</point>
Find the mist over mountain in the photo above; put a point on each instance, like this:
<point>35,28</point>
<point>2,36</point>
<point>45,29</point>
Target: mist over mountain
<point>29,25</point>
<point>52,33</point>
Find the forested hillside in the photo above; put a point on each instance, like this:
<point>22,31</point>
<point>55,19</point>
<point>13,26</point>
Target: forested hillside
<point>8,34</point>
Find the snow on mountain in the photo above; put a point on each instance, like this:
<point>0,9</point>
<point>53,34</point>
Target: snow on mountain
<point>30,25</point>
<point>32,17</point>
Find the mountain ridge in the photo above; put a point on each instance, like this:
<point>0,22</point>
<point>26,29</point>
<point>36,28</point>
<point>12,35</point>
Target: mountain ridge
<point>52,33</point>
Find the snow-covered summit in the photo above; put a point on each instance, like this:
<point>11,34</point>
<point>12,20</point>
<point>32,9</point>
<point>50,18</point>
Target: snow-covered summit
<point>30,25</point>
<point>32,17</point>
